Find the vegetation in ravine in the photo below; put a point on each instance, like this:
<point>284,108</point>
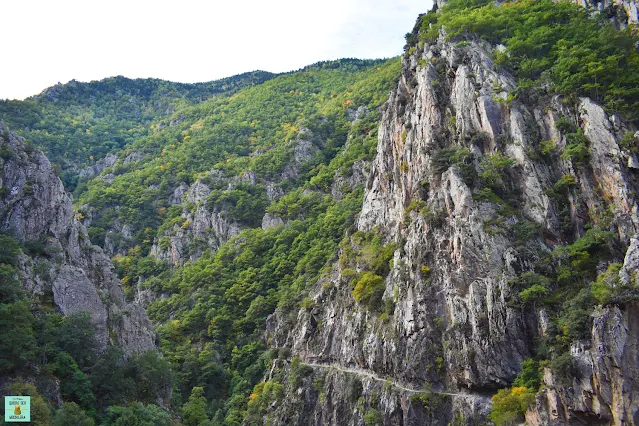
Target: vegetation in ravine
<point>256,130</point>
<point>212,311</point>
<point>240,136</point>
<point>39,343</point>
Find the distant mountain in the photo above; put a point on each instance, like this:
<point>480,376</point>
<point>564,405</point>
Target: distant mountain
<point>78,124</point>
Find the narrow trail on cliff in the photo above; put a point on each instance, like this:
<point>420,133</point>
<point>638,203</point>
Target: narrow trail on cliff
<point>373,376</point>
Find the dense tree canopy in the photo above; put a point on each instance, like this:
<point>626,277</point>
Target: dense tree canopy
<point>551,46</point>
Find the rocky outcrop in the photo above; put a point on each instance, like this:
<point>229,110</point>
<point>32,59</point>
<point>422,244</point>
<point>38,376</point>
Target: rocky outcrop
<point>604,388</point>
<point>199,229</point>
<point>202,227</point>
<point>38,211</point>
<point>99,166</point>
<point>449,324</point>
<point>622,12</point>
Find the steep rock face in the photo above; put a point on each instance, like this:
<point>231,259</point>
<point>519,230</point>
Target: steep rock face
<point>200,229</point>
<point>97,168</point>
<point>36,209</point>
<point>451,328</point>
<point>604,387</point>
<point>623,12</point>
<point>604,390</point>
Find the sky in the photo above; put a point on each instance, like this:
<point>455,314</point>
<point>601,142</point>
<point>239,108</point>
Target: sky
<point>46,42</point>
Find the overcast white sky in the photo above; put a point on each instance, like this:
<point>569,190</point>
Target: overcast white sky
<point>50,41</point>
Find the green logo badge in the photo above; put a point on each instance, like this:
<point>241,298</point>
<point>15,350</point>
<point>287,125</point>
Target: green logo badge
<point>17,409</point>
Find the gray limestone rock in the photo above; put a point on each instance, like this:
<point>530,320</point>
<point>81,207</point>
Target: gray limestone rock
<point>97,168</point>
<point>454,327</point>
<point>199,230</point>
<point>79,274</point>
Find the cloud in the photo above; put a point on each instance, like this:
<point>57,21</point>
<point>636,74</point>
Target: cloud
<point>191,40</point>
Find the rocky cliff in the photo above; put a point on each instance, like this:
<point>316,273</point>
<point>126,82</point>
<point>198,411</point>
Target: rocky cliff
<point>62,263</point>
<point>203,226</point>
<point>472,189</point>
<point>622,12</point>
<point>200,228</point>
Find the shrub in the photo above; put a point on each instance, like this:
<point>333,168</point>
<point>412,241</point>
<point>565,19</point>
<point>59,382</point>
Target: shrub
<point>96,235</point>
<point>72,414</point>
<point>35,247</point>
<point>584,254</point>
<point>510,405</point>
<point>369,290</point>
<point>461,157</point>
<point>137,414</point>
<point>564,182</point>
<point>547,147</point>
<point>381,264</point>
<point>264,395</point>
<point>373,418</point>
<point>607,284</point>
<point>415,205</point>
<point>533,293</point>
<point>576,148</point>
<point>563,366</point>
<point>5,152</point>
<point>529,376</point>
<point>493,167</point>
<point>629,142</point>
<point>297,372</point>
<point>442,159</point>
<point>575,320</point>
<point>9,249</point>
<point>75,383</point>
<point>194,410</point>
<point>244,203</point>
<point>565,126</point>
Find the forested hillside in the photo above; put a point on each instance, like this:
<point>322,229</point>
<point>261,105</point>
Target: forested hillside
<point>249,149</point>
<point>299,135</point>
<point>446,238</point>
<point>294,148</point>
<point>69,339</point>
<point>78,124</point>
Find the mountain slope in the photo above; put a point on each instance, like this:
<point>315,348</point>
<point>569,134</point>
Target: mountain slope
<point>79,124</point>
<point>277,170</point>
<point>508,207</point>
<point>211,312</point>
<point>313,251</point>
<point>36,208</point>
<point>261,142</point>
<point>69,335</point>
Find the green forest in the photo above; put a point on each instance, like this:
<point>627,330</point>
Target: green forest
<point>77,124</point>
<point>210,313</point>
<point>95,384</point>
